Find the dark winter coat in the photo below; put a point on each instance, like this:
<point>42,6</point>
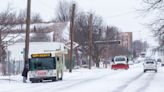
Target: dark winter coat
<point>25,72</point>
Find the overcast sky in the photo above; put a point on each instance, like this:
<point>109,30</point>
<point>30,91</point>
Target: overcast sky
<point>120,13</point>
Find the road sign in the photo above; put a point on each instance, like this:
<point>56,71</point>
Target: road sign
<point>68,45</point>
<point>108,42</point>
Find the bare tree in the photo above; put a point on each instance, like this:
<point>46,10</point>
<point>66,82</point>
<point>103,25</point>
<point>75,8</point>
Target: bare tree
<point>21,17</point>
<point>36,18</point>
<point>112,33</point>
<point>81,29</point>
<point>138,47</point>
<point>156,26</point>
<point>82,33</point>
<point>153,4</point>
<point>7,22</point>
<point>63,11</point>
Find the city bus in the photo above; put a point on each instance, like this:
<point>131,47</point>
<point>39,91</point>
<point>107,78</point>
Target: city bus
<point>46,66</point>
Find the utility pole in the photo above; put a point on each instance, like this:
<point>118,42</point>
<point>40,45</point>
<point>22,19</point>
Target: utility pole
<point>27,31</point>
<point>72,35</point>
<point>90,39</point>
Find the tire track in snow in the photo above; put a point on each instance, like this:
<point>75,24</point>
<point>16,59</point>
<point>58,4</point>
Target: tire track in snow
<point>67,84</point>
<point>32,85</point>
<point>147,83</point>
<point>59,85</point>
<point>24,87</point>
<point>83,81</point>
<point>90,80</point>
<point>70,85</point>
<point>127,83</point>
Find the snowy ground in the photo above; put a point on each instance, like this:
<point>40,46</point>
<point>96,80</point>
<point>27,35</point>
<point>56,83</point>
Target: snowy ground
<point>94,80</point>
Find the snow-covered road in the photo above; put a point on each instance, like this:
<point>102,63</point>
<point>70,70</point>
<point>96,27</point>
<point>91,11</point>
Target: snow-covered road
<point>94,80</point>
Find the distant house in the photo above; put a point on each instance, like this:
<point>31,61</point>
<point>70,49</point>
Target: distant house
<point>54,32</point>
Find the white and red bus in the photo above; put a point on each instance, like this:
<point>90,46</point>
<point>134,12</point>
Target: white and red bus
<point>46,66</point>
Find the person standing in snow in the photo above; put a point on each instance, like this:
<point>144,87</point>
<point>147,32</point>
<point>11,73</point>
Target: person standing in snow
<point>25,73</point>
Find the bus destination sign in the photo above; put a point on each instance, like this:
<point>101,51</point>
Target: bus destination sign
<point>41,55</point>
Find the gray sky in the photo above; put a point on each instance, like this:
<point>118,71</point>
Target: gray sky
<point>120,13</point>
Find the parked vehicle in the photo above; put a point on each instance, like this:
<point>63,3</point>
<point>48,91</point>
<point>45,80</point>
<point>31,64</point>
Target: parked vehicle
<point>130,62</point>
<point>159,62</point>
<point>143,54</point>
<point>120,62</point>
<point>150,65</point>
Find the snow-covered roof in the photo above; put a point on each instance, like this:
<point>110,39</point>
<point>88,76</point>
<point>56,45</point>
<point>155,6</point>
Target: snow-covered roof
<point>36,25</point>
<point>17,50</point>
<point>62,29</point>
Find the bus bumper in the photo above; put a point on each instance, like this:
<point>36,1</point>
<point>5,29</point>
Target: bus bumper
<point>33,80</point>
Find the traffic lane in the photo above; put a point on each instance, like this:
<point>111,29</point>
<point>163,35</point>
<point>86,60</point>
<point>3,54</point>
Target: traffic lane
<point>157,83</point>
<point>140,84</point>
<point>71,79</point>
<point>76,83</point>
<point>98,83</point>
<point>127,83</point>
<point>105,84</point>
<point>150,82</point>
<point>79,78</point>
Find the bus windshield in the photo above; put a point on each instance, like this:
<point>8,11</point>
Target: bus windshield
<point>42,63</point>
